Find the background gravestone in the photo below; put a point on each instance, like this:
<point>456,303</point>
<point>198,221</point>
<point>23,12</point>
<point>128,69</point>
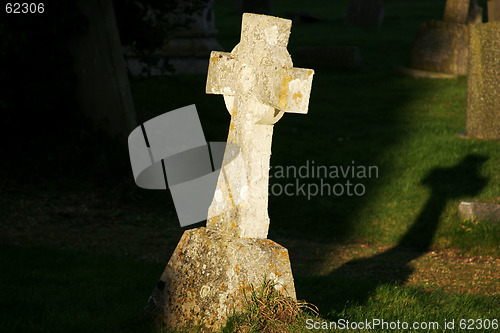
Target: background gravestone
<point>189,49</point>
<point>443,46</point>
<point>483,85</point>
<point>493,10</point>
<point>103,90</point>
<point>191,37</point>
<point>365,13</point>
<point>440,47</point>
<point>456,11</point>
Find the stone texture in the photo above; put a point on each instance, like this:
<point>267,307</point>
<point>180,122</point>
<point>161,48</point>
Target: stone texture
<point>207,273</point>
<point>440,47</point>
<point>493,10</point>
<point>483,85</point>
<point>259,84</point>
<point>365,13</point>
<point>456,11</point>
<point>473,210</point>
<point>103,93</point>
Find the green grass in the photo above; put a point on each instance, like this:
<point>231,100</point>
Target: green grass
<point>52,290</point>
<point>406,127</point>
<point>393,303</point>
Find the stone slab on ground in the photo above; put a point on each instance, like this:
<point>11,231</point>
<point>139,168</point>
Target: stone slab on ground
<point>481,211</point>
<point>207,274</point>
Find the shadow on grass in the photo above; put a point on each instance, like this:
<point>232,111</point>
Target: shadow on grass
<point>50,290</point>
<point>355,281</point>
<point>341,130</point>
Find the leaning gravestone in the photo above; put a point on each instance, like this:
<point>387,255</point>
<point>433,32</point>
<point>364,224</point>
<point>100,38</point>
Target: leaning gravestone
<point>365,13</point>
<point>493,10</point>
<point>103,91</point>
<point>483,82</point>
<point>442,46</point>
<point>212,268</point>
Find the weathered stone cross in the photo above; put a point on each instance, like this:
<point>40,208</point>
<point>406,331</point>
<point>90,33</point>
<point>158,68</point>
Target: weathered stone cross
<point>213,268</point>
<point>259,84</point>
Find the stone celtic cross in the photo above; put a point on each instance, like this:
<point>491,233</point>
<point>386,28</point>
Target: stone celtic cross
<point>259,84</point>
<point>213,268</point>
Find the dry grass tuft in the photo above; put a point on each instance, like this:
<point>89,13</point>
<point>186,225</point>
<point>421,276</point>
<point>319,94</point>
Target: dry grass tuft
<point>269,310</point>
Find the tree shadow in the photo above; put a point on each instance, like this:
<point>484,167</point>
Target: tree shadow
<point>363,276</point>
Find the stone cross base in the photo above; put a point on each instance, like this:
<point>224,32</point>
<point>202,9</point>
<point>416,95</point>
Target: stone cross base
<point>204,279</point>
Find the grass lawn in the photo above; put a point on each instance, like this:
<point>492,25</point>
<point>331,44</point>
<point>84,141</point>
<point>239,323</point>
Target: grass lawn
<point>83,246</point>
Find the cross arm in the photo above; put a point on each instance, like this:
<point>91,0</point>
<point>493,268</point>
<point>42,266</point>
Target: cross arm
<point>220,73</point>
<point>287,89</point>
